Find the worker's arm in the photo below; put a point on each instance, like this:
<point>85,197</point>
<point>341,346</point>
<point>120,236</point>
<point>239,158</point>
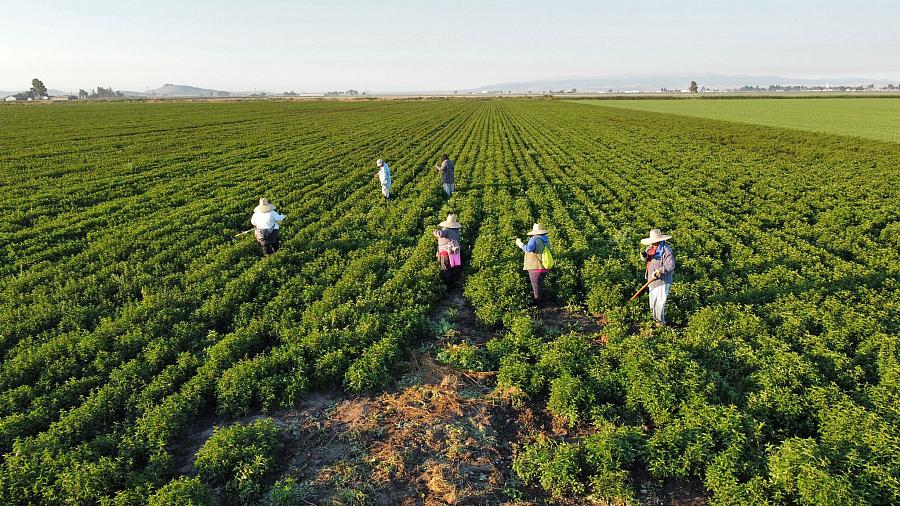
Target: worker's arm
<point>532,244</point>
<point>278,217</point>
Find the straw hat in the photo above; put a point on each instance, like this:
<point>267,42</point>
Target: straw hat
<point>537,229</point>
<point>656,236</point>
<point>264,206</point>
<point>450,222</point>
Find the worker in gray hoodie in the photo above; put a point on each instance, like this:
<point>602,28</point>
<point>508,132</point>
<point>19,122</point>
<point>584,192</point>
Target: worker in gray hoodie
<point>446,168</point>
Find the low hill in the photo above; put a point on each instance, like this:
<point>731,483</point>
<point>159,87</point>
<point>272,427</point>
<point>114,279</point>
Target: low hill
<point>178,90</point>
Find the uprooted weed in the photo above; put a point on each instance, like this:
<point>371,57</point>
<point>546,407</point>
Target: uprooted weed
<point>431,443</point>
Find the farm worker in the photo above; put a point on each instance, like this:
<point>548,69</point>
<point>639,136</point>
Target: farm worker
<point>448,252</point>
<point>446,170</point>
<point>660,259</point>
<point>384,175</point>
<point>266,220</point>
<point>537,258</point>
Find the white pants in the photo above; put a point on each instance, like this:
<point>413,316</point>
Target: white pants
<point>448,188</point>
<point>658,298</point>
<point>386,190</point>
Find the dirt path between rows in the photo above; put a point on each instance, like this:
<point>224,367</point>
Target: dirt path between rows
<point>438,436</point>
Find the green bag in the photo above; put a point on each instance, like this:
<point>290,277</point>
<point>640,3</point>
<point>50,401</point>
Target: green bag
<point>547,258</point>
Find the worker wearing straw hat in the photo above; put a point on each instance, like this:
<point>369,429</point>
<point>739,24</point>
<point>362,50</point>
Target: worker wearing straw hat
<point>660,260</point>
<point>535,259</point>
<point>266,220</point>
<point>384,176</point>
<point>448,251</point>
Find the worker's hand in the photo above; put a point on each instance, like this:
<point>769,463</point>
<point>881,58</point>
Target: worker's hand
<point>519,243</point>
<point>644,255</point>
<point>657,273</point>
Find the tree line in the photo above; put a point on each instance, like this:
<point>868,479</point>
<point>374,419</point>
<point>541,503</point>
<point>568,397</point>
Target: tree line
<point>39,91</point>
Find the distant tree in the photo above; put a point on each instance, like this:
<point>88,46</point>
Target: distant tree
<point>102,92</point>
<point>693,87</point>
<point>82,94</point>
<point>38,89</point>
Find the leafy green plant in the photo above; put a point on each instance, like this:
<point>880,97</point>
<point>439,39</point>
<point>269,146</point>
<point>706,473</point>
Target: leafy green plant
<point>240,456</point>
<point>463,356</point>
<point>557,467</point>
<point>182,492</point>
<point>287,492</point>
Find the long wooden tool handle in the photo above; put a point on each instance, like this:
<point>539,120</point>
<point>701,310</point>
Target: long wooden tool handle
<point>641,290</point>
<point>245,232</point>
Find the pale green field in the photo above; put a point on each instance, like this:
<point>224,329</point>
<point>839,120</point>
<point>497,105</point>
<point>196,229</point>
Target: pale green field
<point>872,118</point>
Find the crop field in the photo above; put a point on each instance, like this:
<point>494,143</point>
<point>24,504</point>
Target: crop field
<point>147,356</point>
<point>870,118</point>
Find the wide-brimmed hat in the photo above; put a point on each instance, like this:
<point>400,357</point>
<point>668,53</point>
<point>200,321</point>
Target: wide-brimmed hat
<point>379,162</point>
<point>264,206</point>
<point>656,236</point>
<point>450,222</point>
<point>537,229</point>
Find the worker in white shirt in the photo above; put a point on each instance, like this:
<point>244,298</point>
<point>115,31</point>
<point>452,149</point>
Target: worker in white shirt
<point>384,175</point>
<point>266,220</point>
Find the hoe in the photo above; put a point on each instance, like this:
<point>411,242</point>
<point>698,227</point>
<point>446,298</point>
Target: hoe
<point>242,233</point>
<point>641,290</point>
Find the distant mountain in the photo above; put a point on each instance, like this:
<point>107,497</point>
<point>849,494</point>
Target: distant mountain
<point>654,82</point>
<point>178,90</point>
<point>165,91</point>
<point>52,92</point>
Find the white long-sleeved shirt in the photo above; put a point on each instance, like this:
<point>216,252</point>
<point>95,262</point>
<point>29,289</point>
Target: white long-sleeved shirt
<point>266,221</point>
<point>384,174</point>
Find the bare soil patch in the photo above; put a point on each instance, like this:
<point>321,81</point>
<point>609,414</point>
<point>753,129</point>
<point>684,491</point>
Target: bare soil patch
<point>440,435</point>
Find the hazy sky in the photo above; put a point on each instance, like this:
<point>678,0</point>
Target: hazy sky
<point>439,45</point>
